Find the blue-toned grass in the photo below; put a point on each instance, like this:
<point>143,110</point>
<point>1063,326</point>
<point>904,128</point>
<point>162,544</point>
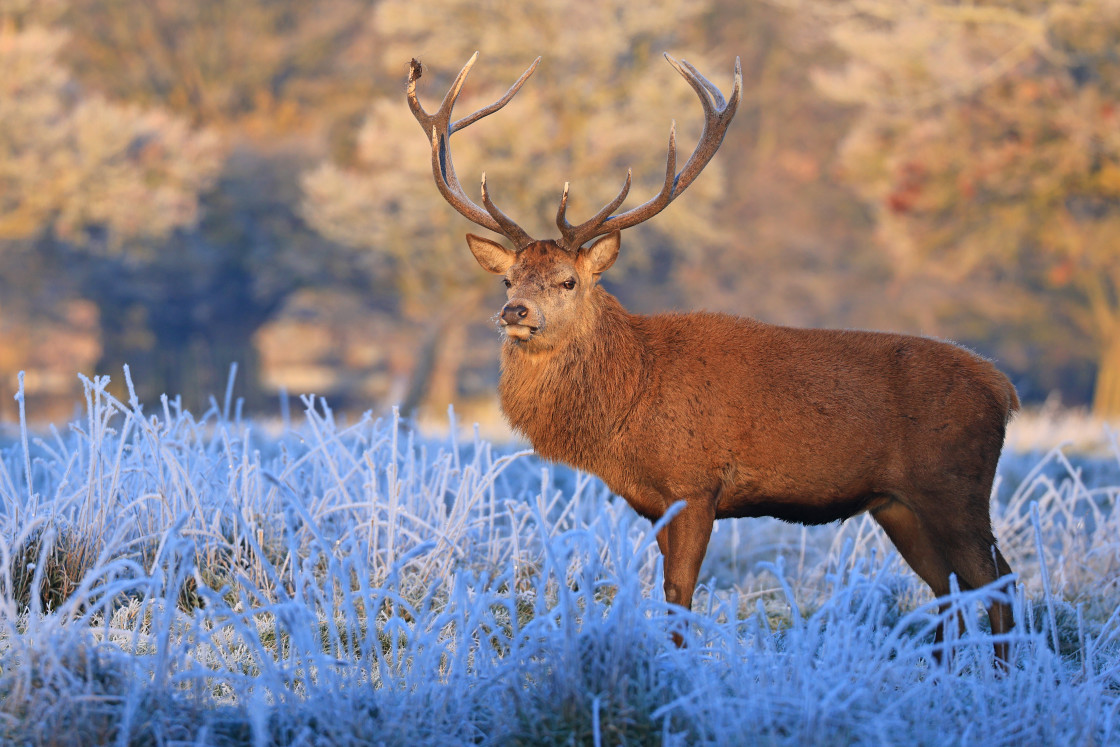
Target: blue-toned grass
<point>166,579</point>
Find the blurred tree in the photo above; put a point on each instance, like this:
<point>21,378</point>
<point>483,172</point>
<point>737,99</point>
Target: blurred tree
<point>184,286</point>
<point>74,164</point>
<point>47,330</point>
<point>988,144</point>
<point>601,101</point>
<point>186,268</point>
<point>193,304</point>
<point>263,66</point>
<point>80,177</point>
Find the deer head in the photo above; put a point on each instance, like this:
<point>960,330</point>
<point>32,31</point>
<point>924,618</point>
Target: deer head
<point>549,280</point>
<point>547,286</point>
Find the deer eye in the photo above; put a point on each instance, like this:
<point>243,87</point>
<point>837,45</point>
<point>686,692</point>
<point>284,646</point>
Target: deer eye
<point>569,284</point>
<point>506,282</point>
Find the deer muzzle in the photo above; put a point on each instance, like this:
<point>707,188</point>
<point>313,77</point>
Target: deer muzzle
<point>519,321</point>
<point>514,313</point>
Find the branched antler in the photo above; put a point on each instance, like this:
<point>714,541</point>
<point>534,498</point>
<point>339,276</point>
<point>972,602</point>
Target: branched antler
<point>439,128</point>
<point>718,113</point>
<point>717,117</point>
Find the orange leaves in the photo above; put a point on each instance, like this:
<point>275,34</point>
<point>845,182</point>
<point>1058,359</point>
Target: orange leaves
<point>1060,274</point>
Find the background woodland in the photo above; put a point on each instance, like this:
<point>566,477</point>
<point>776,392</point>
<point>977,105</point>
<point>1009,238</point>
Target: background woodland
<point>188,185</point>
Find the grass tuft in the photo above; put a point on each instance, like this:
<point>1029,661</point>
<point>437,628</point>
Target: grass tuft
<point>47,566</point>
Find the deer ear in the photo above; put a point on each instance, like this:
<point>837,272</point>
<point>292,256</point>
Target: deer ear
<point>491,255</point>
<point>602,254</point>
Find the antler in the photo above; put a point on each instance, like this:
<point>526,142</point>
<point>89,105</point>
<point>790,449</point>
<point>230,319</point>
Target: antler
<point>717,116</point>
<point>439,127</point>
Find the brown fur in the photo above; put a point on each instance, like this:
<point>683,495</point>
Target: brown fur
<point>740,418</point>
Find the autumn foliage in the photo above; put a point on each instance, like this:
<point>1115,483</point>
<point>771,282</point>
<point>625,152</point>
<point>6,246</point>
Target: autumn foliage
<point>205,179</point>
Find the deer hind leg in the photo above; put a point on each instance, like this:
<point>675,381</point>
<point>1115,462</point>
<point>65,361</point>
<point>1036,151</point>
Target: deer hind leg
<point>978,562</point>
<point>683,544</point>
<point>918,548</point>
<point>937,549</point>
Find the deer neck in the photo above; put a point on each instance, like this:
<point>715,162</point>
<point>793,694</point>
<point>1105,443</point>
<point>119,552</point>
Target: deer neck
<point>569,399</point>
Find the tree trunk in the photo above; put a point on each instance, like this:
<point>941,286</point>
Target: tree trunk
<point>1106,391</point>
<point>418,381</point>
<point>434,383</point>
<point>443,385</point>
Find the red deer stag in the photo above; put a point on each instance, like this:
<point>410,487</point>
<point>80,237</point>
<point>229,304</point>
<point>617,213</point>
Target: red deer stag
<point>733,416</point>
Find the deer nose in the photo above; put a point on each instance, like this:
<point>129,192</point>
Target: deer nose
<point>514,313</point>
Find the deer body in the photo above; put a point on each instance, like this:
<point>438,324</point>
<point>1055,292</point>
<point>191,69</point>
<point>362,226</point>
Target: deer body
<point>740,418</point>
<point>733,416</point>
<point>803,424</point>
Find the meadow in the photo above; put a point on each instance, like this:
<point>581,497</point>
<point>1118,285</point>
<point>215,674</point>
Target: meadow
<point>178,579</point>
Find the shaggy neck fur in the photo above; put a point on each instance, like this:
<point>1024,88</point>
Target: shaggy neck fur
<point>572,399</point>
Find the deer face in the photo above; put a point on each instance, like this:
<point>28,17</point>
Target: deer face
<point>547,287</point>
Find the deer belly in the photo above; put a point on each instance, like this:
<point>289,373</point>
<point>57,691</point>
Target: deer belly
<point>798,507</point>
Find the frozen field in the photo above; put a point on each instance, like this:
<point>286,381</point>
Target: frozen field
<point>169,579</point>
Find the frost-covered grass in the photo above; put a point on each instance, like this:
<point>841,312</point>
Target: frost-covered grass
<point>166,579</point>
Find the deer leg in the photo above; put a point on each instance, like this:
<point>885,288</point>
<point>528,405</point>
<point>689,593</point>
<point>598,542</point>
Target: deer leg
<point>684,542</point>
<point>920,552</point>
<point>663,542</point>
<point>964,534</point>
<point>688,535</point>
<point>978,562</point>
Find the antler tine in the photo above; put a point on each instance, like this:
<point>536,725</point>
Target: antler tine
<point>583,233</point>
<point>488,110</point>
<point>694,76</point>
<point>439,127</point>
<point>718,113</point>
<point>571,233</point>
<point>716,119</point>
<point>512,231</point>
<point>561,217</point>
<point>415,71</point>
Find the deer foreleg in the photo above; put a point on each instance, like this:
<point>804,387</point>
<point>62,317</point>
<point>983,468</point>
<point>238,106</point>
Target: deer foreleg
<point>684,543</point>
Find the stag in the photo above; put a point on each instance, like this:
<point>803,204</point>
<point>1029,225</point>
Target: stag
<point>733,416</point>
